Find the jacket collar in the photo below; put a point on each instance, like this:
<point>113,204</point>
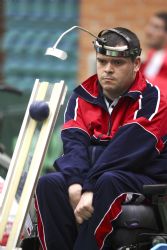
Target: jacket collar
<point>91,91</point>
<point>137,87</point>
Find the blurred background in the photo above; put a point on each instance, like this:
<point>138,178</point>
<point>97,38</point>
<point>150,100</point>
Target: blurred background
<point>28,27</point>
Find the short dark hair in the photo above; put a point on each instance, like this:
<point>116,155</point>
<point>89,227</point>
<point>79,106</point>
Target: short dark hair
<point>114,39</point>
<point>162,15</point>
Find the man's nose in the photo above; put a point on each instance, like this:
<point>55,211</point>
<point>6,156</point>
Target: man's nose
<point>109,68</point>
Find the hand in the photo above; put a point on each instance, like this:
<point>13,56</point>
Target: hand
<point>74,192</point>
<point>84,209</point>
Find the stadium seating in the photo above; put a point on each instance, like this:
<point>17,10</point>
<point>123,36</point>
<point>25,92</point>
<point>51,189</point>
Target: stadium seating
<point>31,27</point>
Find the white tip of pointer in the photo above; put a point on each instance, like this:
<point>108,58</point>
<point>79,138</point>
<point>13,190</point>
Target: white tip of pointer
<point>57,53</point>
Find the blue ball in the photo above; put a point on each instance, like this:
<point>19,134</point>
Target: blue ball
<point>39,110</point>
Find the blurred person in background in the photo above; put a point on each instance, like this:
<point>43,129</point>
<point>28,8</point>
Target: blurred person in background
<point>155,66</point>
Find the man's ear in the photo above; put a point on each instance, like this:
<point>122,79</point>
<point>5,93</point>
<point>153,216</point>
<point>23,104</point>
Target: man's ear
<point>137,64</point>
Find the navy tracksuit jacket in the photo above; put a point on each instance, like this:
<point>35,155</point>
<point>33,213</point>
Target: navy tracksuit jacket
<point>110,149</point>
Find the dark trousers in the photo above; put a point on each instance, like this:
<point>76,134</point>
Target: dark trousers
<point>56,222</point>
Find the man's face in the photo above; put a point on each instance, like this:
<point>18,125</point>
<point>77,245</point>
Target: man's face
<point>156,36</point>
<point>116,74</point>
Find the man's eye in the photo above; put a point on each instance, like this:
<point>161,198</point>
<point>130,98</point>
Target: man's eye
<point>101,61</point>
<point>117,62</point>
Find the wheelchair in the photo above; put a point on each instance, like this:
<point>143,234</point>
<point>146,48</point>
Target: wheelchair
<point>142,226</point>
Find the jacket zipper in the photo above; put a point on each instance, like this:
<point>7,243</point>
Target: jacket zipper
<point>109,126</point>
<point>93,154</point>
<point>110,110</point>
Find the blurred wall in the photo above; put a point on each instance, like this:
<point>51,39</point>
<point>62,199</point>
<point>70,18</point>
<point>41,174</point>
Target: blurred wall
<point>27,28</point>
<point>98,15</point>
<point>1,36</point>
<point>31,26</point>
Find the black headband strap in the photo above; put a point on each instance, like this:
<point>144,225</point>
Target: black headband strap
<point>130,52</point>
<point>116,53</point>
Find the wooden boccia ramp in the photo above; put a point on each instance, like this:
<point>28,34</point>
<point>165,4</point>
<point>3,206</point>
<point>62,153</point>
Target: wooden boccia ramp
<point>53,95</point>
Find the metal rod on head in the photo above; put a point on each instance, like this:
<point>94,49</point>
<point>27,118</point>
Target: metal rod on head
<point>57,42</point>
<point>54,51</point>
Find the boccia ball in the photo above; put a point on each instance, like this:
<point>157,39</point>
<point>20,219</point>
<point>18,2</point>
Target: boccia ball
<point>39,110</point>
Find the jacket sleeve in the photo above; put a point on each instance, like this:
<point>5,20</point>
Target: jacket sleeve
<point>136,143</point>
<point>74,163</point>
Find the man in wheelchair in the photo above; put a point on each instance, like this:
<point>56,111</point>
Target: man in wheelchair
<point>114,138</point>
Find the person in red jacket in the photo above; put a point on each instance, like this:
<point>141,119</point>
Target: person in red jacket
<point>114,139</point>
<point>155,66</point>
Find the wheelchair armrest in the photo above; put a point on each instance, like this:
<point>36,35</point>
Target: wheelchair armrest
<point>156,189</point>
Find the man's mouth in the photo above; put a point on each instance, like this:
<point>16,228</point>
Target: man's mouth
<point>109,78</point>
